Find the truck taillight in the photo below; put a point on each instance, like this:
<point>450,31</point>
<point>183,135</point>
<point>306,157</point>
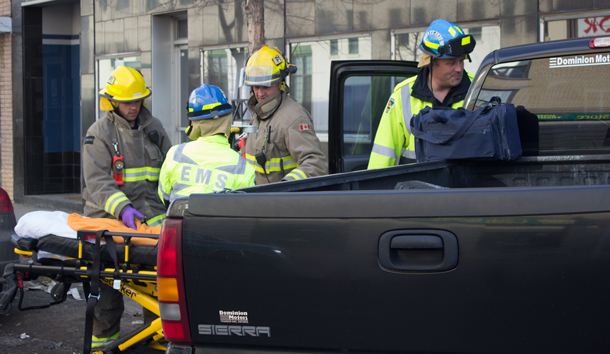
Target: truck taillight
<point>602,42</point>
<point>6,206</point>
<point>170,283</point>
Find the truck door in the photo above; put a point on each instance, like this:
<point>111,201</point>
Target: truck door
<point>359,92</point>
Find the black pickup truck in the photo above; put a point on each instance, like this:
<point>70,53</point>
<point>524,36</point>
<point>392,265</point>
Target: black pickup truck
<point>461,256</point>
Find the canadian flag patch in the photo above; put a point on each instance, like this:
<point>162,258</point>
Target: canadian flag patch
<point>305,127</point>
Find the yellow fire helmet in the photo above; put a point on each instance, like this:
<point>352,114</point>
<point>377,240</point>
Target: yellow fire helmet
<point>124,85</point>
<point>267,67</point>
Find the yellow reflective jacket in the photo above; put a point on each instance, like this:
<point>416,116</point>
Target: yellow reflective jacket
<point>289,143</point>
<point>143,159</point>
<point>205,165</point>
<point>392,140</point>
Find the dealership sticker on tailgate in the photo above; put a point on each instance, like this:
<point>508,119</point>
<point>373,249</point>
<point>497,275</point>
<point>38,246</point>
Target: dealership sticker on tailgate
<point>233,316</point>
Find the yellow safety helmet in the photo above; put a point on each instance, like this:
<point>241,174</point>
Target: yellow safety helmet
<point>267,67</point>
<point>124,85</point>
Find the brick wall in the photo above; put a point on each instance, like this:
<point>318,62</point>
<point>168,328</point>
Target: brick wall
<point>6,106</point>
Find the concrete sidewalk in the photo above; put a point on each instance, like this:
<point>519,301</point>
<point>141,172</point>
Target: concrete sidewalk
<point>69,203</point>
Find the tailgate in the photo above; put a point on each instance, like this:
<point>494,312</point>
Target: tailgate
<point>310,270</point>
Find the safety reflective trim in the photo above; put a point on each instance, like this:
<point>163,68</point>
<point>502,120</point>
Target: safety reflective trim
<point>466,40</point>
<point>410,154</point>
<point>97,342</point>
<point>274,164</point>
<point>252,161</point>
<point>238,169</point>
<point>141,174</point>
<point>405,101</point>
<point>297,174</point>
<point>384,151</point>
<point>452,31</point>
<point>431,45</point>
<point>114,201</point>
<point>176,189</point>
<point>156,221</point>
<point>163,192</point>
<point>180,157</point>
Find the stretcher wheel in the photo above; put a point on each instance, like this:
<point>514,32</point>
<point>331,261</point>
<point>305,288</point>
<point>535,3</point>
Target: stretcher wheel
<point>59,291</point>
<point>6,308</point>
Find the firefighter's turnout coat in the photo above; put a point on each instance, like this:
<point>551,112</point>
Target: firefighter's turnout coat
<point>205,165</point>
<point>143,159</point>
<point>288,141</point>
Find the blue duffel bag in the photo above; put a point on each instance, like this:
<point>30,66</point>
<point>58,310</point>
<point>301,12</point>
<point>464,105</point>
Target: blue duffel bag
<point>447,133</point>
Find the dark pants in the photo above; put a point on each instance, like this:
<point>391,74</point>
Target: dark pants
<point>108,310</point>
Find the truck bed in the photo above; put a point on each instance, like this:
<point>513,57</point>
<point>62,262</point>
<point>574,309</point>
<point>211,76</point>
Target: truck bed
<point>524,245</point>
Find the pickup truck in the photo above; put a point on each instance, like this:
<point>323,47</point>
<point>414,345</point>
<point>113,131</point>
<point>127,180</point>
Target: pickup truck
<point>455,256</point>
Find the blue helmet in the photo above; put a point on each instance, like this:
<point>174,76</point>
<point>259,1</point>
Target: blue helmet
<point>444,39</point>
<point>207,102</point>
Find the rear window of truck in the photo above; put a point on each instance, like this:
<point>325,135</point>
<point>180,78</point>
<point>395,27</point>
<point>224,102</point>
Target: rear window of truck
<point>569,95</point>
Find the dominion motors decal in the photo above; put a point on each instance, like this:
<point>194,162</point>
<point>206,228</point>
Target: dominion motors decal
<point>579,60</point>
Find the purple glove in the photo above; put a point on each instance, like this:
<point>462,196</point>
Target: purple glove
<point>128,216</point>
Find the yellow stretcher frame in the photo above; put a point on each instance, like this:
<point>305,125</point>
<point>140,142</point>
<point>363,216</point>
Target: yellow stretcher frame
<point>140,286</point>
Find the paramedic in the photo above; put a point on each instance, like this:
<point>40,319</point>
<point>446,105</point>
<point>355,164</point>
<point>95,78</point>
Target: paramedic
<point>122,156</point>
<point>440,83</point>
<point>208,163</point>
<point>285,147</point>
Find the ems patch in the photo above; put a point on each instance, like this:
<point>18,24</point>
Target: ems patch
<point>305,126</point>
<point>89,140</point>
<point>390,104</point>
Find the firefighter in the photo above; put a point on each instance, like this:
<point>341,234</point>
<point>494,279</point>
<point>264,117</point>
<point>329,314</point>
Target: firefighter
<point>285,147</point>
<point>122,156</point>
<point>208,163</point>
<point>440,83</point>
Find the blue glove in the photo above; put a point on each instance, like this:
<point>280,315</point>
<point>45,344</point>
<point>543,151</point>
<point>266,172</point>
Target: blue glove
<point>128,216</point>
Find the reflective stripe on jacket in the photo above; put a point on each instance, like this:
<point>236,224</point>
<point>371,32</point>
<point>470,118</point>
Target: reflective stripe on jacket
<point>289,143</point>
<point>205,165</point>
<point>393,139</point>
<point>143,160</point>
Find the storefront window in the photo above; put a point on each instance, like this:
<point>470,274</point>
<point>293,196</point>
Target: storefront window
<point>310,85</point>
<point>576,28</point>
<point>222,67</point>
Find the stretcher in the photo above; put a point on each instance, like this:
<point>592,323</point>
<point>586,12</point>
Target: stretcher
<point>123,260</point>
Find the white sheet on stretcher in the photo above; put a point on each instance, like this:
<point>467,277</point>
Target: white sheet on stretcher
<point>37,224</point>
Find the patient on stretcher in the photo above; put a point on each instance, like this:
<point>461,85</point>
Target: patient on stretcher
<point>56,232</point>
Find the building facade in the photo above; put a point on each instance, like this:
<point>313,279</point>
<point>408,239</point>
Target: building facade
<point>61,53</point>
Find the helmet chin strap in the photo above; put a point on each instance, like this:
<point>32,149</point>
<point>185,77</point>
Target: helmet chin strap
<point>431,65</point>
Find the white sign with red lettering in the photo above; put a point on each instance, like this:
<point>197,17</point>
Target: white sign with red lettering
<point>593,26</point>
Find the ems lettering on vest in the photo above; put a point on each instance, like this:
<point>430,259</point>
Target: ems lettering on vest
<point>199,175</point>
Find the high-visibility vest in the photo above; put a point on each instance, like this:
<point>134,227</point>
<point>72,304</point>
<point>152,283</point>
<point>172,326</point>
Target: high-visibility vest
<point>393,139</point>
<point>205,165</point>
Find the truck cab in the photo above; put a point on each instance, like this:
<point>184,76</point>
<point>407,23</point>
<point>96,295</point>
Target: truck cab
<point>562,85</point>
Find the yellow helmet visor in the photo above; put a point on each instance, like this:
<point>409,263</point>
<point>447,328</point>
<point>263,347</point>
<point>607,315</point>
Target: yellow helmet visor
<point>262,76</point>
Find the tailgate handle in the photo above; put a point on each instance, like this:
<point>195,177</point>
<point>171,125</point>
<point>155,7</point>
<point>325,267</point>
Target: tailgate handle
<point>423,251</point>
<point>417,242</point>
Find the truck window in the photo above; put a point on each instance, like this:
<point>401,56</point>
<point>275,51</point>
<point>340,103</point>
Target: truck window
<point>364,99</point>
<point>569,95</point>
